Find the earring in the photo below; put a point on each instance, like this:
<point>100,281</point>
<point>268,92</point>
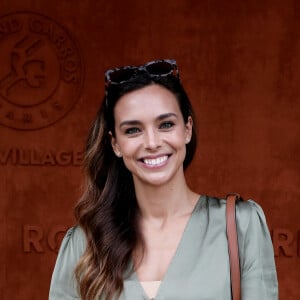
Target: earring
<point>118,153</point>
<point>187,139</point>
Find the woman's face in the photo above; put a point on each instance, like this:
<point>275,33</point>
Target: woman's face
<point>150,134</point>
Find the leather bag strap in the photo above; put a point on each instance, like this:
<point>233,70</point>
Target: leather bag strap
<point>233,249</point>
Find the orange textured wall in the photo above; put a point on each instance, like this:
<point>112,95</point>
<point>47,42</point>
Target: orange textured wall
<point>240,63</point>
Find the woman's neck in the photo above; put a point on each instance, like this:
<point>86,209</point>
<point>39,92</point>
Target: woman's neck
<point>162,202</point>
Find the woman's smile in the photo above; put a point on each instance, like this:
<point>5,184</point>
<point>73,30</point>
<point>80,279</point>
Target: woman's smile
<point>155,162</point>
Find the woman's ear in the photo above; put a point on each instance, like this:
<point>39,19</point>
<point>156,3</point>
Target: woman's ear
<point>115,145</point>
<point>188,130</point>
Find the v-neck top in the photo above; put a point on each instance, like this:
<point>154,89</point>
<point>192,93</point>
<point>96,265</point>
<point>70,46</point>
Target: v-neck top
<point>151,288</point>
<point>200,267</point>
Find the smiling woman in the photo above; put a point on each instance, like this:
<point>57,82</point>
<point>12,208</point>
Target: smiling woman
<point>142,233</point>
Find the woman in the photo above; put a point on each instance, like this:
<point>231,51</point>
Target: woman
<point>143,233</point>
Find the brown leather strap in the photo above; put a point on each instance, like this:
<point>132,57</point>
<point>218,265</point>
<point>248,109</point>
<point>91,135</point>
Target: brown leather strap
<point>233,249</point>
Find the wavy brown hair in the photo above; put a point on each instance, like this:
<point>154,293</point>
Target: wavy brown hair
<point>108,210</point>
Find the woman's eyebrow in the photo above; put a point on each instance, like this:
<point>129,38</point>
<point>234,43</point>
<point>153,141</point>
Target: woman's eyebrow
<point>137,122</point>
<point>130,123</point>
<point>165,116</point>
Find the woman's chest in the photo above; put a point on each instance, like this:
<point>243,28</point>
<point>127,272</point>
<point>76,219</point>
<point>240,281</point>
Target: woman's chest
<point>196,272</point>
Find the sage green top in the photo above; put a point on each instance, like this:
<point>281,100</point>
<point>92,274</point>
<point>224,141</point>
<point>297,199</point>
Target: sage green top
<point>200,267</point>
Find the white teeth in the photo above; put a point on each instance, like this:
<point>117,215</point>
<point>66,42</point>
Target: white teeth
<point>155,161</point>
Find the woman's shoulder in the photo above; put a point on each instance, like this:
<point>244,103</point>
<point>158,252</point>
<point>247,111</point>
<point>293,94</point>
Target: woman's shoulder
<point>245,209</point>
<point>250,214</point>
<point>63,284</point>
<point>250,217</point>
<point>75,233</point>
<point>72,247</point>
<point>243,206</point>
<point>74,239</point>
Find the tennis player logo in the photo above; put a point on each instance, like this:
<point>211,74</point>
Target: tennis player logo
<point>41,71</point>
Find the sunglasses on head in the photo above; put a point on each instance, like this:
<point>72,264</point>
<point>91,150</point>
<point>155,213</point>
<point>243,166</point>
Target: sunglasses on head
<point>156,68</point>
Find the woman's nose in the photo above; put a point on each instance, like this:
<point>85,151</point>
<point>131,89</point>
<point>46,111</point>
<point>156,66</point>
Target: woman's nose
<point>152,140</point>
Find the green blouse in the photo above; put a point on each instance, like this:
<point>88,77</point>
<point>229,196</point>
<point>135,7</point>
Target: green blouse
<point>200,267</point>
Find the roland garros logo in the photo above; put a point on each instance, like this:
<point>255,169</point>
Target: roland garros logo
<point>41,71</point>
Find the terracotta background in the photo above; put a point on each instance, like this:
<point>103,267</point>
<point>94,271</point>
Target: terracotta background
<point>240,63</point>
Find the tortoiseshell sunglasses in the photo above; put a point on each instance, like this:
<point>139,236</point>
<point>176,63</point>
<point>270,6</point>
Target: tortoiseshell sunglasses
<point>156,68</point>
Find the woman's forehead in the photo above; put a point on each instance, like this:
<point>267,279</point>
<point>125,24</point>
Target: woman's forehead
<point>152,99</point>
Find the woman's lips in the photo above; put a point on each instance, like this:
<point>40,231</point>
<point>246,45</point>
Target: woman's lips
<point>155,162</point>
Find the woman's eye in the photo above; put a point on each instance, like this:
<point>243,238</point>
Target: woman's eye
<point>166,125</point>
<point>133,130</point>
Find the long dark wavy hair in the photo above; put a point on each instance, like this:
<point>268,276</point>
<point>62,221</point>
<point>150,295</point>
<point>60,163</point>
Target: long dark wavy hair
<point>108,210</point>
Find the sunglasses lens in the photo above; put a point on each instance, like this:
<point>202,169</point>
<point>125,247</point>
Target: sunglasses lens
<point>121,75</point>
<point>160,68</point>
